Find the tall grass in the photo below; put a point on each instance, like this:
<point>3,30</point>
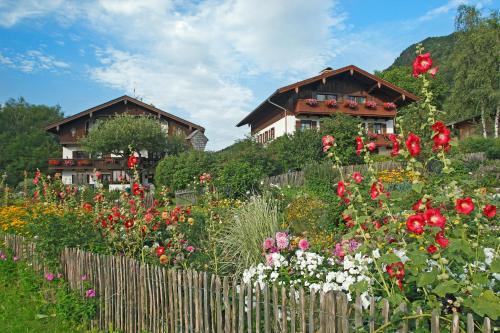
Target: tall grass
<point>241,240</point>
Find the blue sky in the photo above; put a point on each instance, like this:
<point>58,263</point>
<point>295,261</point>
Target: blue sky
<point>209,61</point>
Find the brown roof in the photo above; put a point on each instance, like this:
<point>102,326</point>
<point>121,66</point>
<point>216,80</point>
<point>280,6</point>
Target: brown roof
<point>327,74</point>
<point>119,100</point>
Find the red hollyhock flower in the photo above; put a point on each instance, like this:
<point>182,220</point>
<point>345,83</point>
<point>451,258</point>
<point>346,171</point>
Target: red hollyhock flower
<point>413,144</point>
<point>396,270</point>
<point>327,141</point>
<point>348,220</point>
<point>431,249</point>
<point>442,240</point>
<point>490,211</point>
<point>132,161</point>
<point>395,144</point>
<point>464,206</point>
<point>422,63</point>
<point>359,145</point>
<point>434,218</point>
<point>129,224</point>
<point>415,224</point>
<point>376,189</point>
<point>371,146</point>
<point>137,190</point>
<point>418,205</point>
<point>87,207</point>
<point>160,250</point>
<point>357,177</point>
<point>340,189</point>
<point>439,126</point>
<point>376,224</point>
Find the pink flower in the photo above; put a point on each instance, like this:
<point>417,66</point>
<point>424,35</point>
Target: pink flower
<point>269,260</point>
<point>268,244</point>
<point>190,248</point>
<point>84,277</point>
<point>303,244</point>
<point>15,258</point>
<point>49,276</point>
<point>282,242</point>
<point>357,177</point>
<point>90,293</point>
<point>281,234</point>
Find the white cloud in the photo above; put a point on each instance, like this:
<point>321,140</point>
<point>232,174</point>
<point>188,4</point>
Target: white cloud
<point>33,61</point>
<point>12,11</point>
<point>449,6</point>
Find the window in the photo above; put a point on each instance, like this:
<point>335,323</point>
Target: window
<point>80,154</point>
<point>380,128</point>
<point>272,133</point>
<point>266,136</point>
<point>307,124</point>
<point>325,96</point>
<point>357,99</point>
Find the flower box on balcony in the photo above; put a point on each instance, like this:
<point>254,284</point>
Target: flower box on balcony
<point>351,104</point>
<point>84,162</point>
<point>370,105</point>
<point>54,162</point>
<point>312,101</point>
<point>389,106</point>
<point>331,103</point>
<point>69,163</point>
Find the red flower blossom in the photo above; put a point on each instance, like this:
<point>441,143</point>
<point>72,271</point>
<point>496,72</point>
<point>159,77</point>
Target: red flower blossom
<point>490,211</point>
<point>371,146</point>
<point>132,161</point>
<point>418,205</point>
<point>98,174</point>
<point>357,177</point>
<point>327,141</point>
<point>376,224</point>
<point>431,249</point>
<point>439,126</point>
<point>160,250</point>
<point>464,206</point>
<point>137,190</point>
<point>359,145</point>
<point>376,189</point>
<point>396,270</point>
<point>415,224</point>
<point>348,220</point>
<point>413,145</point>
<point>87,207</point>
<point>433,71</point>
<point>340,189</point>
<point>129,224</point>
<point>434,218</point>
<point>442,240</point>
<point>422,63</point>
<point>395,144</point>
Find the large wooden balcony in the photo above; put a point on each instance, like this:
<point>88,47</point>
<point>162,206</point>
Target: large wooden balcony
<point>322,108</point>
<point>111,163</point>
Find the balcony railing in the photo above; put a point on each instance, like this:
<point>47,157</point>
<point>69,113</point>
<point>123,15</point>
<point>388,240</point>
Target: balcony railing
<point>111,163</point>
<point>303,106</point>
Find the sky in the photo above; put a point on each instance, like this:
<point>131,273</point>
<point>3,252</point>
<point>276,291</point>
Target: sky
<point>208,61</point>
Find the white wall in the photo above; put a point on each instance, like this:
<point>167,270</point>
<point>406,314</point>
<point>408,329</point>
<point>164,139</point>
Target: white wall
<point>68,150</point>
<point>67,177</point>
<point>287,123</point>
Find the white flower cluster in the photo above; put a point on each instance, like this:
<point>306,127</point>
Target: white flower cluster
<point>312,271</point>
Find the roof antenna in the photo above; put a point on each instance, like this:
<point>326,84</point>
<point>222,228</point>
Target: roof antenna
<point>136,96</point>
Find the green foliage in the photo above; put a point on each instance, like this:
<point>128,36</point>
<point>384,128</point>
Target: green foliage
<point>241,241</point>
<point>23,141</point>
<point>178,172</point>
<point>176,144</point>
<point>474,144</point>
<point>124,132</point>
<point>344,128</point>
<point>31,304</point>
<point>239,178</point>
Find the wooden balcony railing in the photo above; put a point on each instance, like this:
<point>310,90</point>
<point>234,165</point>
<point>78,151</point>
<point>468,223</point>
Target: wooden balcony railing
<point>323,108</point>
<point>111,163</point>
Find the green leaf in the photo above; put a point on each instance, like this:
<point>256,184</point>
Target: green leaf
<point>427,278</point>
<point>480,278</point>
<point>495,265</point>
<point>389,258</point>
<point>417,187</point>
<point>446,287</point>
<point>487,304</point>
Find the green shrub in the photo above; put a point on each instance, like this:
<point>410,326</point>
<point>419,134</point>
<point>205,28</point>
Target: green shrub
<point>240,242</point>
<point>239,178</point>
<point>474,144</point>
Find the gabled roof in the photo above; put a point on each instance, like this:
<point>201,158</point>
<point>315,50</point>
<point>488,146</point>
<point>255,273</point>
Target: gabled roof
<point>329,73</point>
<point>121,100</point>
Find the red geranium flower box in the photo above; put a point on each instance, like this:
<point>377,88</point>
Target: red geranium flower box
<point>331,103</point>
<point>389,106</point>
<point>312,101</point>
<point>54,162</point>
<point>351,104</point>
<point>370,105</point>
<point>69,162</point>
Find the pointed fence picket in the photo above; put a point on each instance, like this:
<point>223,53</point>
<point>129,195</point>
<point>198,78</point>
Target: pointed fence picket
<point>137,297</point>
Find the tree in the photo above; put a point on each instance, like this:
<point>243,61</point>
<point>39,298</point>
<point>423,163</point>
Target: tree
<point>24,144</point>
<point>344,128</point>
<point>125,133</point>
<point>476,89</point>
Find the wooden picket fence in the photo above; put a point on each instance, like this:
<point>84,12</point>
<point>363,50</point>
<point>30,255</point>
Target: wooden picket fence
<point>137,297</point>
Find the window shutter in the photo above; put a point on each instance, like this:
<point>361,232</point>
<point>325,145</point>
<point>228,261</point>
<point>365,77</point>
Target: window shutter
<point>313,124</point>
<point>297,124</point>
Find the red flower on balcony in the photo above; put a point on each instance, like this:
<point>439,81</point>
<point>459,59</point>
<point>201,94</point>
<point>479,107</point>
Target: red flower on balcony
<point>370,105</point>
<point>351,104</point>
<point>312,101</point>
<point>331,103</point>
<point>69,162</point>
<point>54,162</point>
<point>389,106</point>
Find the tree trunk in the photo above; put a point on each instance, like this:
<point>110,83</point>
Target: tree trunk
<point>483,123</point>
<point>496,120</point>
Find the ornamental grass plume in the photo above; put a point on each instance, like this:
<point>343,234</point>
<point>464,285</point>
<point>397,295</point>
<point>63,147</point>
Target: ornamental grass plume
<point>240,242</point>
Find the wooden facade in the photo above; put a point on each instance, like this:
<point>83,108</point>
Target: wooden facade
<point>344,84</point>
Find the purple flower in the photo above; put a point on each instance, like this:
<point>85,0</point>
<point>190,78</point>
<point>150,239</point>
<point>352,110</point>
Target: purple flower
<point>303,244</point>
<point>49,276</point>
<point>268,244</point>
<point>3,257</point>
<point>59,275</point>
<point>16,258</point>
<point>84,277</point>
<point>353,245</point>
<point>90,293</point>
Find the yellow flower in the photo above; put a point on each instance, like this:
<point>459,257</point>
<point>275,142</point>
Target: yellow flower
<point>190,221</point>
<point>164,259</point>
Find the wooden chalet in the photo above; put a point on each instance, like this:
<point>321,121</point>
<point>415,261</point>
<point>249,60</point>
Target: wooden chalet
<point>77,167</point>
<point>349,89</point>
